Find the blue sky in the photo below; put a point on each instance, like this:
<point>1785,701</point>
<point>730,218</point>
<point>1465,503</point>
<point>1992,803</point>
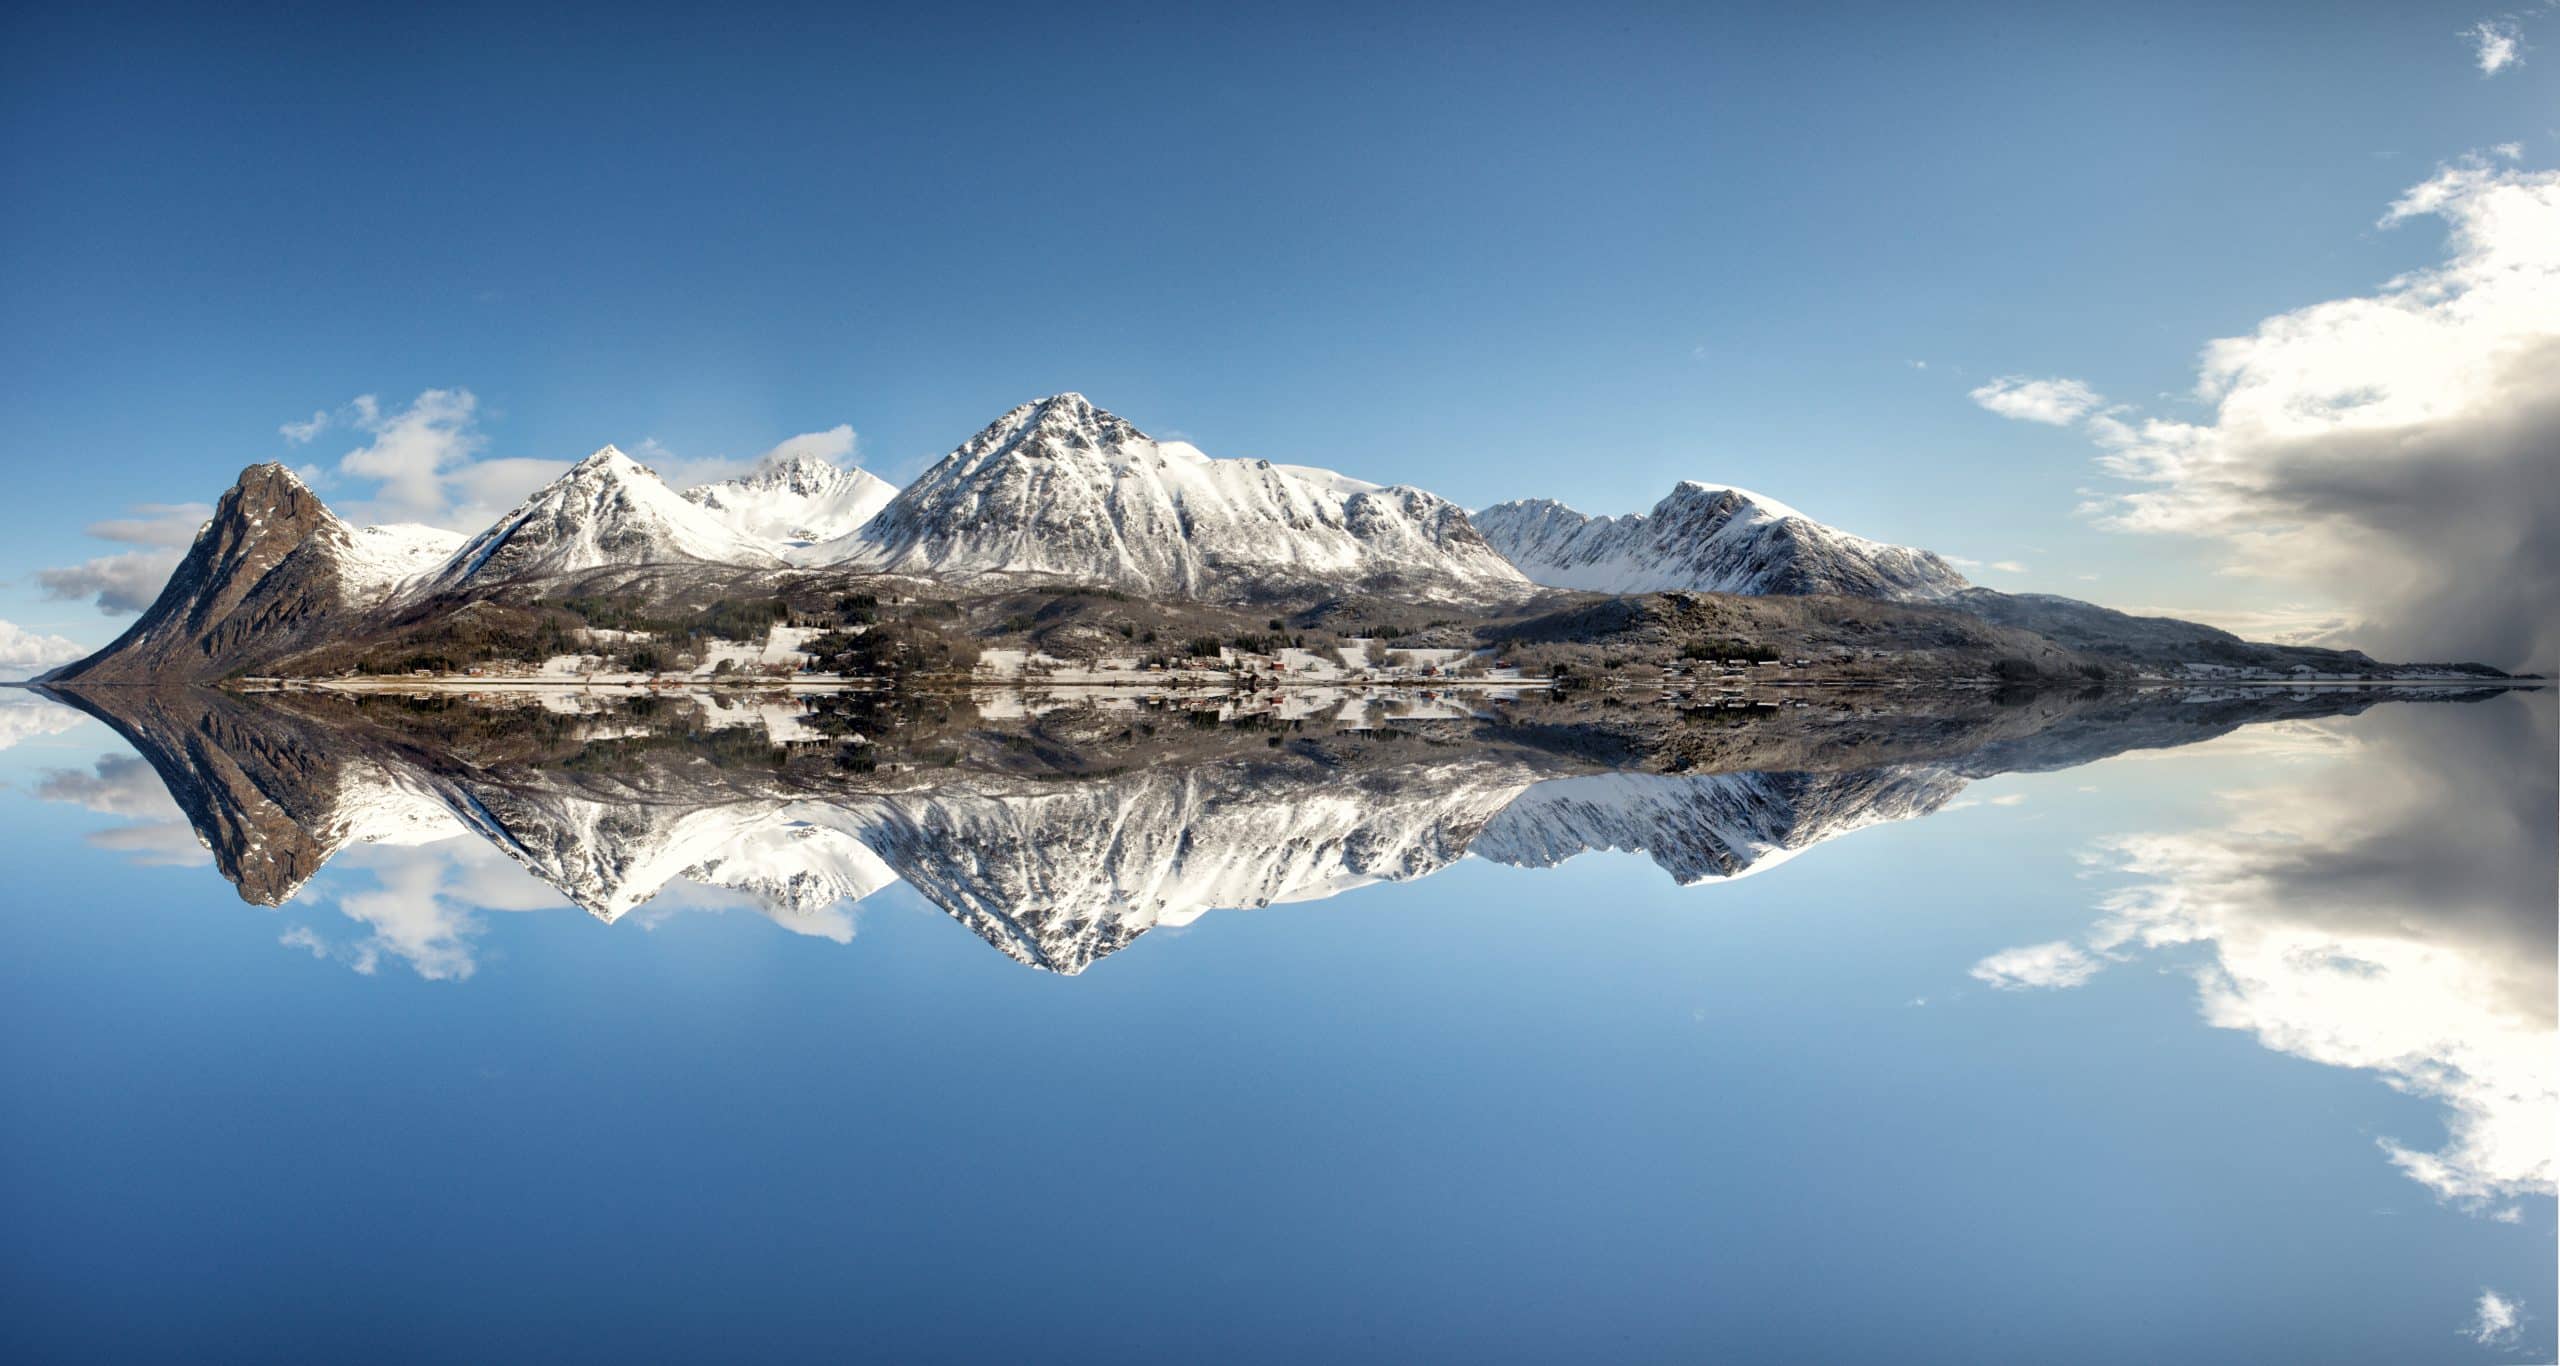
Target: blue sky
<point>1497,252</point>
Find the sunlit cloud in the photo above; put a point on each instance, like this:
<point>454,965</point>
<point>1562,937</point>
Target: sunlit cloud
<point>2389,911</point>
<point>155,524</point>
<point>2051,966</point>
<point>120,584</point>
<point>2496,44</point>
<point>25,716</point>
<point>2054,402</point>
<point>155,833</point>
<point>2495,1320</point>
<point>24,652</point>
<point>2389,457</point>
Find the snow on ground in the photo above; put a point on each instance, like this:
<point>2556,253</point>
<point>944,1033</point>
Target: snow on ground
<point>783,647</point>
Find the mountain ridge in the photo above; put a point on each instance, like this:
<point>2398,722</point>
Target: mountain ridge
<point>1062,498</point>
<point>1710,538</point>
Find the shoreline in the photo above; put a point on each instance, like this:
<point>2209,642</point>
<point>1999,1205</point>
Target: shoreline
<point>681,683</point>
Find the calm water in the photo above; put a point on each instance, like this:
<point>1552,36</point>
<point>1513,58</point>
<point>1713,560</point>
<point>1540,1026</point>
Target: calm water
<point>2234,1050</point>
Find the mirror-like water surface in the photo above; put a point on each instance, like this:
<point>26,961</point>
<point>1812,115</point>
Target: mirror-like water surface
<point>2207,1027</point>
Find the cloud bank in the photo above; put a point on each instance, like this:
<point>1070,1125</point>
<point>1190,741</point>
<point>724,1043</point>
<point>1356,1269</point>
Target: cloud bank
<point>2395,456</point>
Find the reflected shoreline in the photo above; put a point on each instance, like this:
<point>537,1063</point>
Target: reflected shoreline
<point>1060,826</point>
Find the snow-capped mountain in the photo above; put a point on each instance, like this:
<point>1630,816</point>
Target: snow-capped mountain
<point>608,511</point>
<point>1713,539</point>
<point>1062,490</point>
<point>792,505</point>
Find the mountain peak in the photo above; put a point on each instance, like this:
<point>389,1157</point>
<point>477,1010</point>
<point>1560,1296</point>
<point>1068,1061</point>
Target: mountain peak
<point>608,459</point>
<point>1053,426</point>
<point>1060,489</point>
<point>1713,538</point>
<point>796,502</point>
<point>265,566</point>
<point>608,511</point>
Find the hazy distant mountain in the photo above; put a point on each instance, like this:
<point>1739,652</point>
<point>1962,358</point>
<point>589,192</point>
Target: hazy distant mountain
<point>1061,490</point>
<point>1712,539</point>
<point>794,505</point>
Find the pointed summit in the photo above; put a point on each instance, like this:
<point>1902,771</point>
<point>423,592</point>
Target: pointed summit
<point>795,502</point>
<point>1051,427</point>
<point>607,511</point>
<point>1059,490</point>
<point>261,572</point>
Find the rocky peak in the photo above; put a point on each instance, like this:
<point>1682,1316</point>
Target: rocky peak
<point>264,566</point>
<point>1052,426</point>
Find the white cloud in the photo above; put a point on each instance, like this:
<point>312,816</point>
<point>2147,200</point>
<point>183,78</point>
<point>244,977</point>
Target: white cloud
<point>120,583</point>
<point>2496,44</point>
<point>2495,1320</point>
<point>25,716</point>
<point>2054,402</point>
<point>425,462</point>
<point>2055,966</point>
<point>835,444</point>
<point>2389,456</point>
<point>123,786</point>
<point>155,524</point>
<point>2512,151</point>
<point>2386,909</point>
<point>127,581</point>
<point>24,653</point>
<point>301,432</point>
<point>413,452</point>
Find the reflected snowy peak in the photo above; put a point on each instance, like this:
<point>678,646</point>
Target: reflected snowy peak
<point>1061,832</point>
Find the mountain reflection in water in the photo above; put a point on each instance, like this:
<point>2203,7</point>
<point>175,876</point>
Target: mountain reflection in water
<point>1059,832</point>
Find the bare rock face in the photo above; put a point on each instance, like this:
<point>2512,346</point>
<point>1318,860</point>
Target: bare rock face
<point>263,577</point>
<point>259,787</point>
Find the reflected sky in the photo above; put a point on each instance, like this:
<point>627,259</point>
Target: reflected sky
<point>2235,1050</point>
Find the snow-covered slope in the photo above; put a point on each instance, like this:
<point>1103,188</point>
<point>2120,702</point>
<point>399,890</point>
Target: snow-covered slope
<point>799,864</point>
<point>792,505</point>
<point>608,511</point>
<point>379,561</point>
<point>1061,490</point>
<point>1713,539</point>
